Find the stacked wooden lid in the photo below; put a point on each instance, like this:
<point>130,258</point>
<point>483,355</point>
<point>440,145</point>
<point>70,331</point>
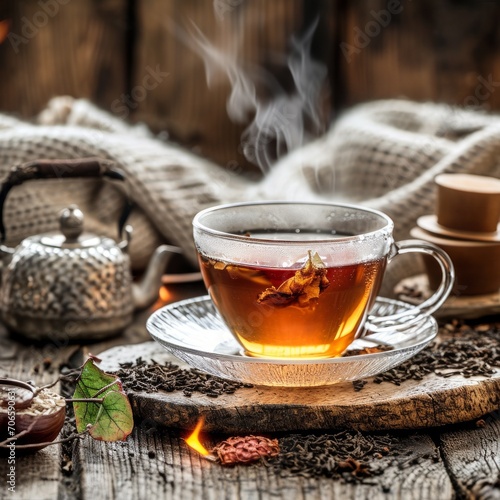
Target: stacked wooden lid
<point>465,225</point>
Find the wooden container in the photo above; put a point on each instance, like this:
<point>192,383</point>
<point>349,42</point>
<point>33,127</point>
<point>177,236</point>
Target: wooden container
<point>468,202</point>
<point>40,416</point>
<point>477,263</point>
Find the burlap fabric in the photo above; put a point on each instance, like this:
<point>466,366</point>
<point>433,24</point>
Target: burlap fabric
<point>382,154</point>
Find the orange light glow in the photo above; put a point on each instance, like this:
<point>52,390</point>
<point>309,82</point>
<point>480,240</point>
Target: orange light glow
<point>165,295</point>
<point>194,441</point>
<point>4,29</point>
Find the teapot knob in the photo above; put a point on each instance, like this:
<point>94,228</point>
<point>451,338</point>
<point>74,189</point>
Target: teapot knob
<point>71,223</point>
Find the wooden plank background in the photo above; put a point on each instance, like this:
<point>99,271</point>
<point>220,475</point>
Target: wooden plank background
<point>104,50</point>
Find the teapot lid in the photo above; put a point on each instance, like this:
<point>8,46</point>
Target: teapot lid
<point>71,226</point>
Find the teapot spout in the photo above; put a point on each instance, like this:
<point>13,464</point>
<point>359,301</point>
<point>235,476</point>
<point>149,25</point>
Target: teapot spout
<point>6,253</point>
<point>146,291</point>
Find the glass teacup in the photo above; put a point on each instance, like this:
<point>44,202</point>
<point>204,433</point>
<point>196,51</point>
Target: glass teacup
<point>298,280</point>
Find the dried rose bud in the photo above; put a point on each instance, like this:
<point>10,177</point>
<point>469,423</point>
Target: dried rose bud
<point>245,449</point>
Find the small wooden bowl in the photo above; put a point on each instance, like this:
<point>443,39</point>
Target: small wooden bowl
<point>43,419</point>
<point>468,202</point>
<point>477,263</point>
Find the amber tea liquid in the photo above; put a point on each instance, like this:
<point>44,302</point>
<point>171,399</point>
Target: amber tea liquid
<point>250,302</point>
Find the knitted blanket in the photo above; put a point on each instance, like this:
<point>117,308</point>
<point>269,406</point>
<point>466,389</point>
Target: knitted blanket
<point>383,154</point>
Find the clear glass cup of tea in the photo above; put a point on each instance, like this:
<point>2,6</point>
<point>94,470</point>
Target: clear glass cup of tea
<point>297,280</point>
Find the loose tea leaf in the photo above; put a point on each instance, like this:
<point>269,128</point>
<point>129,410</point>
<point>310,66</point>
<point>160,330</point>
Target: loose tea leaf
<point>303,289</point>
<point>346,455</point>
<point>151,377</point>
<point>466,350</point>
<point>110,418</point>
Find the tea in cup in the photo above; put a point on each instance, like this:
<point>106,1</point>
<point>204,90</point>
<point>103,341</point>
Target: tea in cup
<point>297,280</point>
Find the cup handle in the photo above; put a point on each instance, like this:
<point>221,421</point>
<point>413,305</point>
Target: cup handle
<point>426,308</point>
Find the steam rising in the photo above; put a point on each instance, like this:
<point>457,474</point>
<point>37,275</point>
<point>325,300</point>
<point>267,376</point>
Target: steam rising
<point>281,122</point>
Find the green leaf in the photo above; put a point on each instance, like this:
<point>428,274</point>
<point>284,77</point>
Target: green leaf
<point>114,421</point>
<point>112,418</point>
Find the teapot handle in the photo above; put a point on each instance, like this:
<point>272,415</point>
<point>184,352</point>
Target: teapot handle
<point>61,169</point>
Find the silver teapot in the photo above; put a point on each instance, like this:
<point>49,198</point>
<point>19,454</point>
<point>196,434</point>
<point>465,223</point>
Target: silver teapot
<point>71,284</point>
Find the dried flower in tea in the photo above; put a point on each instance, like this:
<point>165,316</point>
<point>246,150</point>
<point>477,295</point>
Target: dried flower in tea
<point>302,289</point>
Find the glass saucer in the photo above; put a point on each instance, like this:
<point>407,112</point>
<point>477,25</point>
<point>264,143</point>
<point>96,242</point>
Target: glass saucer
<point>193,331</point>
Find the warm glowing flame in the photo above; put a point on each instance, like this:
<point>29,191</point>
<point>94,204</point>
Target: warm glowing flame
<point>4,29</point>
<point>165,295</point>
<point>194,442</point>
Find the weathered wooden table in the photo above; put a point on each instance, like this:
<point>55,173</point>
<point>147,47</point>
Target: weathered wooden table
<point>459,461</point>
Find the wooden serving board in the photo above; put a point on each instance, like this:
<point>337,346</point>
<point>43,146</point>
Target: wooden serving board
<point>431,402</point>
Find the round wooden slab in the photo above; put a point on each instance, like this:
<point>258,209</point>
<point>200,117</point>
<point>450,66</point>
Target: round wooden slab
<point>431,402</point>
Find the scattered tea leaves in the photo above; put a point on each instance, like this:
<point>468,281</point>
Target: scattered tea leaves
<point>346,455</point>
<point>465,350</point>
<point>152,377</point>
